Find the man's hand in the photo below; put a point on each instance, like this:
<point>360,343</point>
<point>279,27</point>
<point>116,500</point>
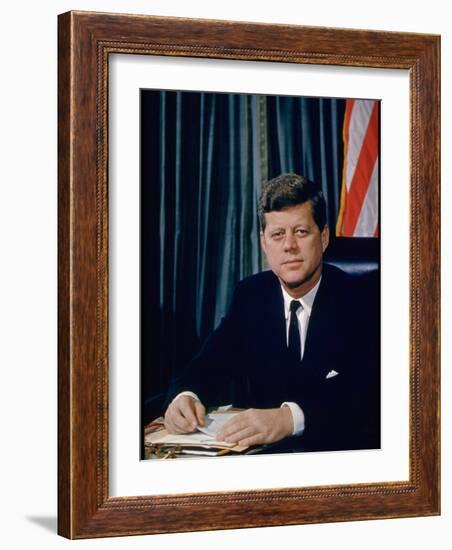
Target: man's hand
<point>184,414</point>
<point>257,426</point>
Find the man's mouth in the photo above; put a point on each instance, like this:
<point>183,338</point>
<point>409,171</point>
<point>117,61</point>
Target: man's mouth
<point>292,262</point>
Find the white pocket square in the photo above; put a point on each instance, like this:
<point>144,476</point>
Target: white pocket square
<point>331,374</point>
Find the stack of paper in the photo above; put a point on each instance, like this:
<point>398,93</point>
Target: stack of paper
<point>201,442</point>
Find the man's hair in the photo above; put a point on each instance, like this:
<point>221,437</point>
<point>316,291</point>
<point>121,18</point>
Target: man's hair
<point>288,190</point>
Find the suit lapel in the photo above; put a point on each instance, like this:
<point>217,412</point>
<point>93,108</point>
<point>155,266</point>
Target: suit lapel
<point>322,322</point>
<point>273,333</point>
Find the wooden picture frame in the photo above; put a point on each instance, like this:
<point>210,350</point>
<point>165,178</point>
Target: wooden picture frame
<point>85,42</point>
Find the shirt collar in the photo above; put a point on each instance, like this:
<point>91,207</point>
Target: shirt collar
<point>306,301</point>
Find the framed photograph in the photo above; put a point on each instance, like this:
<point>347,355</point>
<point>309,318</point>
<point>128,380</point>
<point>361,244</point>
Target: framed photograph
<point>207,160</point>
<point>176,139</point>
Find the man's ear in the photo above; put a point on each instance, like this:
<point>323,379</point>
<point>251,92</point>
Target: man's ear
<point>262,239</point>
<point>325,237</point>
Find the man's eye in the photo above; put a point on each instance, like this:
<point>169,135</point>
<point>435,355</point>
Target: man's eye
<point>277,235</point>
<point>302,232</point>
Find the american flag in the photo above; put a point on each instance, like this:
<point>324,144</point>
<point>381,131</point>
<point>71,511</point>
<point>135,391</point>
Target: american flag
<point>358,213</point>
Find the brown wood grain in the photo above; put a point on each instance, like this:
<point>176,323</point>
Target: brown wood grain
<point>85,508</point>
<point>64,295</point>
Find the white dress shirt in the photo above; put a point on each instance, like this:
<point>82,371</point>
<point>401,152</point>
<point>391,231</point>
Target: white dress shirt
<point>303,315</point>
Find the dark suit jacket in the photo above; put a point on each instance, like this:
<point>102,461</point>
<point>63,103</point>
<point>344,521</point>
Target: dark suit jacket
<point>245,360</point>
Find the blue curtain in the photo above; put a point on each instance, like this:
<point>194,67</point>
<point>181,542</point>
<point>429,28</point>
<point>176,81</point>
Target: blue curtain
<point>305,137</point>
<point>204,157</point>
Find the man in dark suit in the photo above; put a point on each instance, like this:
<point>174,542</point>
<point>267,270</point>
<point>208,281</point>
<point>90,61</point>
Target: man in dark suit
<point>299,346</point>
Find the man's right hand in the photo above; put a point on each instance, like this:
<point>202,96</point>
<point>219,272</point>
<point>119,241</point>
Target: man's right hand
<point>184,414</point>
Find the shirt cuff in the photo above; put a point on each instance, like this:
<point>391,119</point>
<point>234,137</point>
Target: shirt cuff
<point>189,393</point>
<point>297,417</point>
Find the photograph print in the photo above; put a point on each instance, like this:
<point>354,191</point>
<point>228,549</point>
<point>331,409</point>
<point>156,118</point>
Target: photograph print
<point>259,274</point>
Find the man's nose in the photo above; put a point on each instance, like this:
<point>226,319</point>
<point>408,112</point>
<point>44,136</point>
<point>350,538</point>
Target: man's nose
<point>290,242</point>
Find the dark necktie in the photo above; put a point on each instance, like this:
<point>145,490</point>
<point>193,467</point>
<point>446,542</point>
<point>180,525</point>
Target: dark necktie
<point>294,332</point>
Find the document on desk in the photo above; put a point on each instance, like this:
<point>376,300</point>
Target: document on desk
<point>214,422</point>
<point>205,436</point>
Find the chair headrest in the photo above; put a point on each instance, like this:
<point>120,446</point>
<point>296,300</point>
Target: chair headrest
<point>354,267</point>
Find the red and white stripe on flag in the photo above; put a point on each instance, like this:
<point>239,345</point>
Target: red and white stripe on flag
<point>358,213</point>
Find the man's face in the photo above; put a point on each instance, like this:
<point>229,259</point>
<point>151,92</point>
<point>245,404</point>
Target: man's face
<point>294,246</point>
